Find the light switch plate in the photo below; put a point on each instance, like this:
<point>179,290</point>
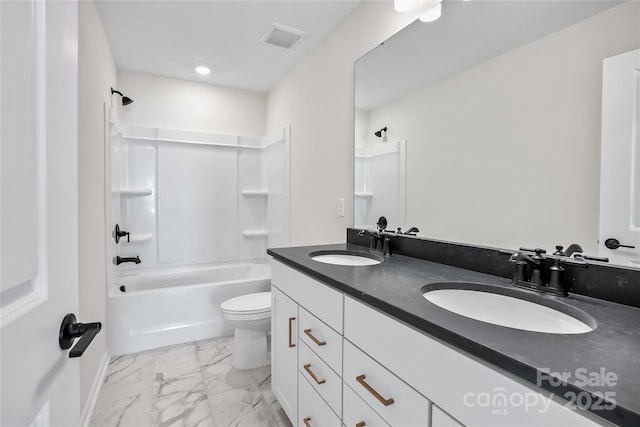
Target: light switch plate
<point>340,207</point>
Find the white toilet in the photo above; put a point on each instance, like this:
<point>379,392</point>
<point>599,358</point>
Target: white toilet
<point>251,316</point>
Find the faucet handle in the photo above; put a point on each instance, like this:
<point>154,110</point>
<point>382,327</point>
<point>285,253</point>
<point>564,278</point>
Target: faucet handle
<point>536,250</point>
<point>539,254</point>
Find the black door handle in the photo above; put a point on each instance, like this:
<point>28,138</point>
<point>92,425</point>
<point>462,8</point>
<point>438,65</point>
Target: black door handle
<point>615,244</point>
<point>70,330</point>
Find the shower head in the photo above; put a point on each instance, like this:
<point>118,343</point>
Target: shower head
<point>379,133</point>
<point>125,99</point>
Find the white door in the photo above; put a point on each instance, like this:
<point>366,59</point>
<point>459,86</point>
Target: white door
<point>620,160</point>
<point>38,211</point>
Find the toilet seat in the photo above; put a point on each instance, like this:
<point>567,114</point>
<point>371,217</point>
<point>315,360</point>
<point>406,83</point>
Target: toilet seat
<point>254,306</point>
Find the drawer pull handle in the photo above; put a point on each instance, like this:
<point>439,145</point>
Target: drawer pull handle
<point>291,319</point>
<point>315,340</point>
<point>306,421</point>
<point>360,424</point>
<point>385,402</point>
<point>307,368</point>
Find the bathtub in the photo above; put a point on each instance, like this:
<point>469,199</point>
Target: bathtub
<point>154,309</point>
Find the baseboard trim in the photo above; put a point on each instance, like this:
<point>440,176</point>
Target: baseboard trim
<point>90,404</point>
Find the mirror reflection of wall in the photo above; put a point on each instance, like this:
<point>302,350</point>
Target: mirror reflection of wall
<point>505,151</point>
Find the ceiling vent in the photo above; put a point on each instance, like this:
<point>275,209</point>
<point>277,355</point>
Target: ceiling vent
<point>281,36</point>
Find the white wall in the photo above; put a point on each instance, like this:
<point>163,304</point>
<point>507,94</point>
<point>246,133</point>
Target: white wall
<point>317,99</point>
<point>96,74</point>
<point>180,104</point>
<point>507,154</point>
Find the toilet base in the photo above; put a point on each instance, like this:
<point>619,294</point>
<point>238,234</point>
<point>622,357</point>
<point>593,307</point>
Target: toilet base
<point>250,349</point>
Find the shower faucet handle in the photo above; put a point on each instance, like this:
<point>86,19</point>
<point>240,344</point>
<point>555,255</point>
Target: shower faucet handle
<point>117,234</point>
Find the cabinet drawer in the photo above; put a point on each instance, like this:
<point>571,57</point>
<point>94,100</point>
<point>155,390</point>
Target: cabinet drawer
<point>320,338</point>
<point>324,302</point>
<point>392,398</point>
<point>356,413</point>
<point>313,411</point>
<point>326,382</point>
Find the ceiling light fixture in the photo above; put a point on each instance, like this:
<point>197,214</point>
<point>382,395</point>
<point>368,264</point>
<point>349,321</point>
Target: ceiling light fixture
<point>203,70</point>
<point>432,14</point>
<point>404,5</point>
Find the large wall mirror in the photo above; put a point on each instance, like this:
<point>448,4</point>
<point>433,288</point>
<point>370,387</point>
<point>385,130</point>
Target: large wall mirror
<point>499,105</point>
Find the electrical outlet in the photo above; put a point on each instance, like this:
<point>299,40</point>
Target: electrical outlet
<point>341,207</point>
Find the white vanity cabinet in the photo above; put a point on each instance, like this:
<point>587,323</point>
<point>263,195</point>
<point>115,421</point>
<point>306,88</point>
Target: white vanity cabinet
<point>468,390</point>
<point>312,321</point>
<point>355,366</point>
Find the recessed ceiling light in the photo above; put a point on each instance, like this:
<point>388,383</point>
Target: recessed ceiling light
<point>203,70</point>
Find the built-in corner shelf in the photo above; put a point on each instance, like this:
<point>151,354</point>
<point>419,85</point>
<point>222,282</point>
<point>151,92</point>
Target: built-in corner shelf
<point>255,193</point>
<point>139,238</point>
<point>255,234</point>
<point>133,192</point>
<point>363,195</point>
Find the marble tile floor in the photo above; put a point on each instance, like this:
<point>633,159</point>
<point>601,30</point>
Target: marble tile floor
<point>187,385</point>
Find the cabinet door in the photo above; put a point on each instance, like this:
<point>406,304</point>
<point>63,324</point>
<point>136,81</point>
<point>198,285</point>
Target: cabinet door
<point>284,351</point>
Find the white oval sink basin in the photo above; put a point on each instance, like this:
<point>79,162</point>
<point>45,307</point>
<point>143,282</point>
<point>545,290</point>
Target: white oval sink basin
<point>344,258</point>
<point>506,311</point>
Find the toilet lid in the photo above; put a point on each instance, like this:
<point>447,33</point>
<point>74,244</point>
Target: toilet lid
<point>250,303</point>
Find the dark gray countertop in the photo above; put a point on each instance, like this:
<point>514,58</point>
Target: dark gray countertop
<point>396,287</point>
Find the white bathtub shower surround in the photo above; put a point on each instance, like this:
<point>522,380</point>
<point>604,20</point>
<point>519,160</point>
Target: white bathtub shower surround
<point>179,305</point>
<point>380,184</point>
<point>201,210</point>
<point>195,198</point>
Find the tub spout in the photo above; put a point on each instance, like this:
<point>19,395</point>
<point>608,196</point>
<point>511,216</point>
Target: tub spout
<point>119,260</point>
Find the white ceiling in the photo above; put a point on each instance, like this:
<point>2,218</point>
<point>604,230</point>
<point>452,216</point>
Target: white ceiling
<point>467,34</point>
<point>170,38</point>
